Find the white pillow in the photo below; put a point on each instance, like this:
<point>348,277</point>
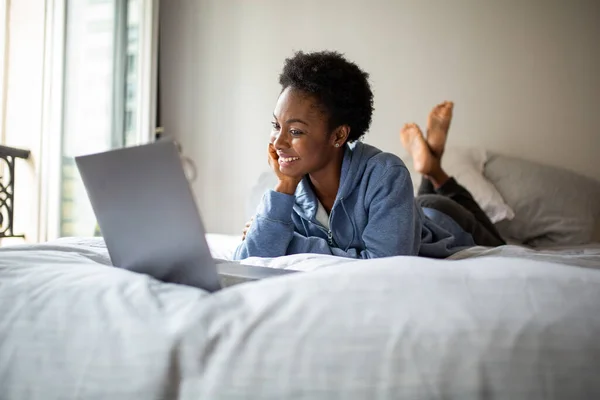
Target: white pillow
<point>223,246</point>
<point>466,166</point>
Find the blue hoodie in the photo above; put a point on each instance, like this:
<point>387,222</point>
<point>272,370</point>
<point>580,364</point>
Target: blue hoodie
<point>374,215</point>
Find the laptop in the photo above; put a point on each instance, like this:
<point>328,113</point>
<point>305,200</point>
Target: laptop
<point>150,221</point>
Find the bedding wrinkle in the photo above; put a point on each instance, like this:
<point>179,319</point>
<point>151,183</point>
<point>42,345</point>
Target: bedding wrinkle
<point>543,340</point>
<point>58,252</point>
<point>467,324</point>
<point>414,360</point>
<point>531,298</point>
<point>82,373</point>
<point>173,377</point>
<point>130,304</point>
<point>310,326</point>
<point>394,358</point>
<point>528,344</point>
<point>243,335</point>
<point>198,337</point>
<point>484,384</point>
<point>258,317</point>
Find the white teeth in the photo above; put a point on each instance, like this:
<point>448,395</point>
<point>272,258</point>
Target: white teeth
<point>290,159</point>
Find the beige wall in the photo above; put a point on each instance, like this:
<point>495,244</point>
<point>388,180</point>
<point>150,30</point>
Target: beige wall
<point>524,76</point>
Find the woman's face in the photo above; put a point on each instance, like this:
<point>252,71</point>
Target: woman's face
<point>300,134</point>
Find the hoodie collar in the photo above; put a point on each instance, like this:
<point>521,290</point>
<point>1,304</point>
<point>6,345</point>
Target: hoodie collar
<point>353,167</point>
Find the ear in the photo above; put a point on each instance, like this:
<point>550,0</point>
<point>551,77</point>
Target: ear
<point>340,135</point>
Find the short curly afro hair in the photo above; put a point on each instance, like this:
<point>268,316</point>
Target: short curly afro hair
<point>340,86</point>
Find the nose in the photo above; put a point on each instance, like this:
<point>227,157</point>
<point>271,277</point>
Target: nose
<point>279,140</point>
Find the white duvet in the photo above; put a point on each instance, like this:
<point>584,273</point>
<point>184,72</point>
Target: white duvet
<point>493,325</point>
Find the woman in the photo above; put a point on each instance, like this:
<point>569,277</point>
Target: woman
<point>338,196</point>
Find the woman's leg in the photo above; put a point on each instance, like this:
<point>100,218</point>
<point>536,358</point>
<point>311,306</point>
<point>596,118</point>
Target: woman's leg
<point>451,189</point>
<point>427,161</point>
<point>463,217</point>
<point>426,187</point>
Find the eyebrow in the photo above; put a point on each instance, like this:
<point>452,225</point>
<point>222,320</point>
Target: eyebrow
<point>292,120</point>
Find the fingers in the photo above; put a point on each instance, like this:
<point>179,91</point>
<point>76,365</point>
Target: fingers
<point>247,228</point>
<point>273,152</point>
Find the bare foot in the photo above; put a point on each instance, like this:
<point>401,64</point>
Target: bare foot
<point>412,139</point>
<point>438,124</point>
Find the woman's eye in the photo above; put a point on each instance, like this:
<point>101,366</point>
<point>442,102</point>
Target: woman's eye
<point>275,125</point>
<point>295,132</point>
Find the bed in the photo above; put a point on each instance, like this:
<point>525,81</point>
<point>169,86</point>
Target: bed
<point>513,322</point>
<point>510,323</point>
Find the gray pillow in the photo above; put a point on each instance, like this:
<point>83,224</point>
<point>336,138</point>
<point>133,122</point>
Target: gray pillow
<point>552,206</point>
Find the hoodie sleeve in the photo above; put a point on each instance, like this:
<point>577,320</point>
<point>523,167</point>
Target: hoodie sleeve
<point>394,226</point>
<point>272,229</point>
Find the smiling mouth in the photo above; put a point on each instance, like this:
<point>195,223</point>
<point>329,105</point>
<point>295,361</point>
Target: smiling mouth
<point>288,159</point>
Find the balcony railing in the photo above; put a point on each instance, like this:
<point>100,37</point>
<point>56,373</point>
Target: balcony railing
<point>7,189</point>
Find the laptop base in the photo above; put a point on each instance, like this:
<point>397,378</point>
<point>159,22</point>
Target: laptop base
<point>233,273</point>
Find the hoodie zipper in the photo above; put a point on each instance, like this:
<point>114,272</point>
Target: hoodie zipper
<point>329,232</point>
<point>329,237</point>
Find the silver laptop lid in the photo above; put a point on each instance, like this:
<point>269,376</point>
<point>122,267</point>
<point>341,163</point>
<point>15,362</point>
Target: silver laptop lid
<point>147,213</point>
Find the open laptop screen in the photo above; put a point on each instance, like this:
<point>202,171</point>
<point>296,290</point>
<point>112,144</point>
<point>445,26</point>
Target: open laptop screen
<point>147,213</point>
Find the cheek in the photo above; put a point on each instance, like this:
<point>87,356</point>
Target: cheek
<point>304,148</point>
<point>310,151</point>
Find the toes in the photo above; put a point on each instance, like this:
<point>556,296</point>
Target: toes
<point>443,110</point>
<point>437,109</point>
<point>412,127</point>
<point>448,107</point>
<point>411,136</point>
<point>408,128</point>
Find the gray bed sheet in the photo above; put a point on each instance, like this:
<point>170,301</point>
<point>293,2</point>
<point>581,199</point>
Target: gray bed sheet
<point>486,327</point>
<point>579,255</point>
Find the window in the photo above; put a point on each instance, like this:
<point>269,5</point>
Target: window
<point>102,100</point>
<point>131,64</point>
